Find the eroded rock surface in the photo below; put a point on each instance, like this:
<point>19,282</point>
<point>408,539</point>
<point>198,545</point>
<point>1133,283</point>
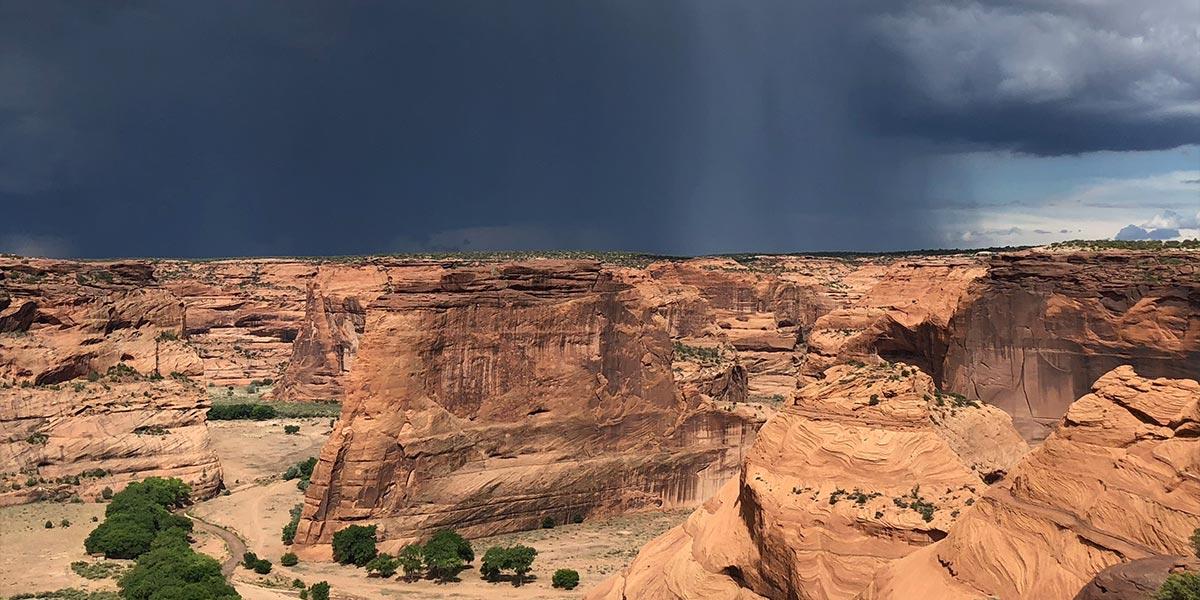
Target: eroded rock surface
<point>868,465</point>
<point>57,438</point>
<point>490,398</point>
<point>1118,481</point>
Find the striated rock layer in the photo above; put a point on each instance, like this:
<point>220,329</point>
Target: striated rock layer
<point>1118,481</point>
<point>492,397</point>
<point>869,464</point>
<point>57,438</point>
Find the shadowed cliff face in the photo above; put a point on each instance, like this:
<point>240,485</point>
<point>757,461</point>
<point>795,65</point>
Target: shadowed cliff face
<point>489,398</point>
<point>1035,333</point>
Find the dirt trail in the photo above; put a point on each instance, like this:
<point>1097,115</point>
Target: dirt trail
<point>235,544</point>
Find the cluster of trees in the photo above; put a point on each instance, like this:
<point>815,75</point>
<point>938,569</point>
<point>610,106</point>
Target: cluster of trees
<point>442,557</point>
<point>137,515</point>
<point>171,569</point>
<point>138,524</point>
<point>234,412</point>
<point>517,558</point>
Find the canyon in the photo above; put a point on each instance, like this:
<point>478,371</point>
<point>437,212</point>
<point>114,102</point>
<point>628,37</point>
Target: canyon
<point>814,408</point>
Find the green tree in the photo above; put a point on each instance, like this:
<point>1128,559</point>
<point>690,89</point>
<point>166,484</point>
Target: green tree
<point>1180,586</point>
<point>442,558</point>
<point>354,545</point>
<point>319,591</point>
<point>461,545</point>
<point>289,559</point>
<point>548,523</point>
<point>171,570</point>
<point>521,561</point>
<point>383,565</point>
<point>566,579</point>
<point>248,559</point>
<point>412,560</point>
<point>518,559</point>
<point>1196,542</point>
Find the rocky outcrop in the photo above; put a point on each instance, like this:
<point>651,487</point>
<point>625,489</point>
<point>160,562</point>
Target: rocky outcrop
<point>868,465</point>
<point>488,398</point>
<point>1118,481</point>
<point>1137,579</point>
<point>73,440</point>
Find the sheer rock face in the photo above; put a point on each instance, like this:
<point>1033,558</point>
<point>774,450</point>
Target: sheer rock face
<point>489,398</point>
<point>1118,481</point>
<point>831,491</point>
<point>1039,329</point>
<point>132,429</point>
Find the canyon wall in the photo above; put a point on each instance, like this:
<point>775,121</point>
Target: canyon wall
<point>488,398</point>
<point>1038,330</point>
<point>733,338</point>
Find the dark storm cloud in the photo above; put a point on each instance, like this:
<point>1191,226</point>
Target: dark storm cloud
<point>225,128</point>
<point>1045,77</point>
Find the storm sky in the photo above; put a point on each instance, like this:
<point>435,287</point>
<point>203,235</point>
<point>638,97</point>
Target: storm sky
<point>680,127</point>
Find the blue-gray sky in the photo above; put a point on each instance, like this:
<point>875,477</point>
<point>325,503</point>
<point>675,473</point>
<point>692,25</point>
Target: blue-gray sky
<point>182,128</point>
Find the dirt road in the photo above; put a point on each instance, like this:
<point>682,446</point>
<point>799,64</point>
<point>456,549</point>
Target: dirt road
<point>235,545</point>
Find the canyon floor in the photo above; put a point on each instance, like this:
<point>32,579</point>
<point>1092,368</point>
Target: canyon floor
<point>253,456</point>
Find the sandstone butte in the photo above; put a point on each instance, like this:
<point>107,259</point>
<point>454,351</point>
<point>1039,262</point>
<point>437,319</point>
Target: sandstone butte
<point>1102,508</point>
<point>596,386</point>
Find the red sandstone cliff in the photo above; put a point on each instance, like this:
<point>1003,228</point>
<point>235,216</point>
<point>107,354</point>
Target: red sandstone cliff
<point>488,398</point>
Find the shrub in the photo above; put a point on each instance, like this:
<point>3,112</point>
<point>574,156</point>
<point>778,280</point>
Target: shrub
<point>1179,586</point>
<point>566,579</point>
<point>412,560</point>
<point>49,525</point>
<point>248,560</point>
<point>874,400</point>
<point>518,559</point>
<point>319,591</point>
<point>289,530</point>
<point>548,523</point>
<point>354,545</point>
<point>99,570</point>
<point>1195,539</point>
<point>298,584</point>
<point>291,429</point>
<point>289,559</point>
<point>64,523</point>
<point>301,470</point>
<point>383,565</point>
<point>577,519</point>
<point>106,493</point>
<point>262,566</point>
